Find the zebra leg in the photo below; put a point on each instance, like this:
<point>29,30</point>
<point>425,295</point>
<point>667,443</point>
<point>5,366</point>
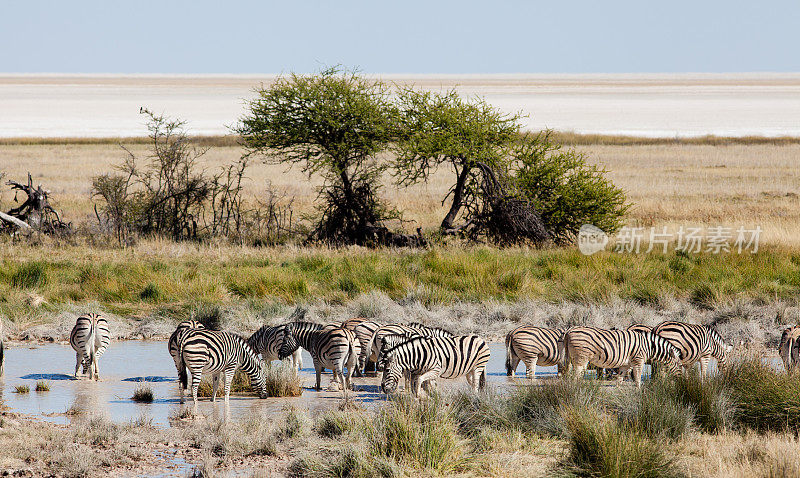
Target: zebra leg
<point>703,366</point>
<point>214,386</point>
<point>636,372</point>
<point>530,368</point>
<point>227,381</point>
<point>196,375</point>
<point>623,372</point>
<point>318,369</point>
<point>297,360</point>
<point>78,362</point>
<point>421,379</point>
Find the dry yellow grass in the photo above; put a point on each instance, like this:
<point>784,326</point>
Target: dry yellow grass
<point>673,185</point>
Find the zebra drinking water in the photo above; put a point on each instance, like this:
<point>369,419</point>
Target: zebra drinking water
<point>268,340</point>
<point>89,338</point>
<point>364,329</point>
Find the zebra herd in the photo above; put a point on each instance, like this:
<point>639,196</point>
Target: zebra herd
<point>674,344</point>
<point>417,353</point>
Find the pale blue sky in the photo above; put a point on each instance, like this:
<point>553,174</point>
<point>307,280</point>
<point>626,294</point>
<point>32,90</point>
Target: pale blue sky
<point>410,36</point>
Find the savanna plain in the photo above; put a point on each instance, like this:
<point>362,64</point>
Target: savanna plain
<point>740,422</point>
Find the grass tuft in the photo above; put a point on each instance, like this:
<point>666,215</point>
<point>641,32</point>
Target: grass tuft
<point>143,394</point>
<point>29,275</point>
<point>42,386</point>
<point>22,389</point>
<point>539,408</point>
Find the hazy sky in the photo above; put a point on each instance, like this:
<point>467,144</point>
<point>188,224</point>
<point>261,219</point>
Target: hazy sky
<point>407,36</point>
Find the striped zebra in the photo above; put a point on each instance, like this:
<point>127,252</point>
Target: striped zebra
<point>409,330</point>
<point>695,343</point>
<point>2,348</point>
<point>331,347</point>
<point>623,349</point>
<point>220,354</point>
<point>364,329</point>
<point>533,346</point>
<point>174,342</point>
<point>89,338</point>
<point>267,341</point>
<point>789,343</point>
<point>429,358</point>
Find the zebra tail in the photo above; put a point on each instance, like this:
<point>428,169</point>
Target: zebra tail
<point>92,346</point>
<point>183,376</point>
<point>509,372</point>
<point>482,380</point>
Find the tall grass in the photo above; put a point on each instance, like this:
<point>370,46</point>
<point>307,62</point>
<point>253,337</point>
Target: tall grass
<point>603,447</point>
<point>709,398</point>
<point>765,399</point>
<point>540,408</point>
<point>654,410</point>
<point>421,434</point>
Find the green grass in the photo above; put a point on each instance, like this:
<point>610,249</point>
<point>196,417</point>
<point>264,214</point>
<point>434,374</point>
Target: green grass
<point>22,389</point>
<point>139,282</point>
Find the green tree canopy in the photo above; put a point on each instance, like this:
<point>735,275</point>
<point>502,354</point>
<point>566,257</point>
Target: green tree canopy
<point>334,124</point>
<point>444,129</point>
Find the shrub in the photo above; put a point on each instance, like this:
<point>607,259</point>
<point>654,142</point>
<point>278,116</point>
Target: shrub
<point>334,423</point>
<point>601,447</point>
<point>143,394</point>
<point>150,293</point>
<point>29,275</point>
<point>349,463</point>
<point>565,189</point>
<point>475,411</point>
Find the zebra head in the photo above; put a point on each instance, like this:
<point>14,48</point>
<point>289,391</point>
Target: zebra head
<point>719,349</point>
<point>290,342</point>
<point>391,375</point>
<point>387,344</point>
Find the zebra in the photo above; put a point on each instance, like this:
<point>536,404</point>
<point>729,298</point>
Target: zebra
<point>695,343</point>
<point>623,349</point>
<point>331,347</point>
<point>363,328</point>
<point>220,354</point>
<point>428,358</point>
<point>788,345</point>
<point>409,330</point>
<point>533,346</point>
<point>174,342</point>
<point>268,340</point>
<point>89,338</point>
<point>2,348</point>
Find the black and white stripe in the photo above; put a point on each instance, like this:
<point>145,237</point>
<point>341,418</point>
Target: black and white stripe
<point>429,358</point>
<point>267,341</point>
<point>330,347</point>
<point>410,330</point>
<point>623,349</point>
<point>533,346</point>
<point>174,343</point>
<point>364,329</point>
<point>220,354</point>
<point>427,331</point>
<point>696,343</point>
<point>89,338</point>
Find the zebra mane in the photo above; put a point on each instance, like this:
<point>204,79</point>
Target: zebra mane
<point>415,338</point>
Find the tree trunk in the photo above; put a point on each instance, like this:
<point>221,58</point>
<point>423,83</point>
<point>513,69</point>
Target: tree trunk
<point>458,197</point>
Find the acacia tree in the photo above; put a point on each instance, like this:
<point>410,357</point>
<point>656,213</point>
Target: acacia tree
<point>334,124</point>
<point>443,129</point>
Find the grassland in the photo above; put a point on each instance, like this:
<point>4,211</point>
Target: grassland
<point>693,182</point>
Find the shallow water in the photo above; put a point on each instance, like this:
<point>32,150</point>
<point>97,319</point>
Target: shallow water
<point>127,363</point>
